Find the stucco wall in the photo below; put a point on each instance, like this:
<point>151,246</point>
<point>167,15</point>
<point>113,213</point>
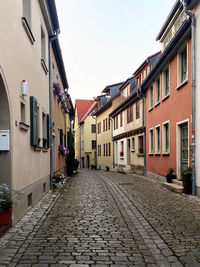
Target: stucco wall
<point>175,108</point>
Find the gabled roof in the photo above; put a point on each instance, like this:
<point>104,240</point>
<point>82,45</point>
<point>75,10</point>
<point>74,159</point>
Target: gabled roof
<point>168,19</point>
<point>149,60</point>
<point>117,85</point>
<point>82,106</point>
<point>88,111</point>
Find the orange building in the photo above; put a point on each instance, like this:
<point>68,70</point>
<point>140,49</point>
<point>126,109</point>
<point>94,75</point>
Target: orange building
<point>169,99</point>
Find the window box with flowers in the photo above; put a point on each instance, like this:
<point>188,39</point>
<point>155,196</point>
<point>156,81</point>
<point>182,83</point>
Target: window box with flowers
<point>121,153</point>
<point>61,97</point>
<point>63,150</point>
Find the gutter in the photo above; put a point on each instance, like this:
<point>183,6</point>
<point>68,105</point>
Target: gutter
<point>193,25</point>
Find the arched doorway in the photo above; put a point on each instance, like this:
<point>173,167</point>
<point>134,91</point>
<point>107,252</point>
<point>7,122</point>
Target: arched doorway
<point>88,161</point>
<point>5,155</point>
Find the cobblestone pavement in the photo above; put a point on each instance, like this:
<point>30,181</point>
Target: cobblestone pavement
<point>107,219</point>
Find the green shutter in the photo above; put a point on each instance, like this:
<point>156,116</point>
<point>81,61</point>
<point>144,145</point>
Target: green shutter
<point>34,120</point>
<point>48,131</point>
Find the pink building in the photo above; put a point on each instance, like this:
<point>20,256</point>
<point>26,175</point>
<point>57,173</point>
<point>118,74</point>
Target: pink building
<point>168,89</point>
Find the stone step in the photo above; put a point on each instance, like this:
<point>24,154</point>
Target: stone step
<point>176,186</point>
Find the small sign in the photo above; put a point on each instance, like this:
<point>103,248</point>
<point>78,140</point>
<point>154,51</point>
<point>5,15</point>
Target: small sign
<point>24,87</point>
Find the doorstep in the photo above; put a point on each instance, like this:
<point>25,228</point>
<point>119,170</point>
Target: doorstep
<point>176,186</point>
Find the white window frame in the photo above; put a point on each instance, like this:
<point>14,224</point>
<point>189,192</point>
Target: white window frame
<point>156,140</point>
<point>164,95</point>
<point>150,97</point>
<point>179,64</point>
<point>164,150</point>
<point>157,101</point>
<point>150,143</point>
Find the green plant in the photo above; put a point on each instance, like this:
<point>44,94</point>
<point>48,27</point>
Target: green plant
<point>187,171</point>
<point>170,171</point>
<point>5,197</point>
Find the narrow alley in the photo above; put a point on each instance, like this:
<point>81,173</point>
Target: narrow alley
<point>107,219</point>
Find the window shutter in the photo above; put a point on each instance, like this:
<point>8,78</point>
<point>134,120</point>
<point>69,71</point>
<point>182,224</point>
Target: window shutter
<point>48,131</point>
<point>34,120</point>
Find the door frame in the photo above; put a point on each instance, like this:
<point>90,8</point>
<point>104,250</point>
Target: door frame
<point>178,146</point>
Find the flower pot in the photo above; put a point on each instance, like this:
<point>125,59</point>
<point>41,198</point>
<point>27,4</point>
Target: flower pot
<point>5,216</point>
<point>169,178</point>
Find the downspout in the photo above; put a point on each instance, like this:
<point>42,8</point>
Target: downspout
<point>143,126</point>
<point>193,25</point>
<point>51,38</point>
<point>112,142</point>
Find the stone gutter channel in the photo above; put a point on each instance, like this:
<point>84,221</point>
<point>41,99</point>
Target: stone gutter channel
<point>133,217</point>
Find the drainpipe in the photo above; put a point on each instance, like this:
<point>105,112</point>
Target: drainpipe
<point>112,142</point>
<point>193,25</point>
<point>51,38</point>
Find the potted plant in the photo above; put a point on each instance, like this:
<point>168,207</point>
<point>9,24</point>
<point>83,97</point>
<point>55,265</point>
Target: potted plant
<point>170,175</point>
<point>5,204</point>
<point>187,180</point>
<point>121,153</point>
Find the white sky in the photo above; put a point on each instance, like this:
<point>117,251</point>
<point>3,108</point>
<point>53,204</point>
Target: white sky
<point>104,41</point>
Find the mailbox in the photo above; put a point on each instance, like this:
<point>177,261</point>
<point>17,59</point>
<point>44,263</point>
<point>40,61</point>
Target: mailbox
<point>4,140</point>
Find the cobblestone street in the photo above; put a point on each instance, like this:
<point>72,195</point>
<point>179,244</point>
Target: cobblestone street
<point>107,219</point>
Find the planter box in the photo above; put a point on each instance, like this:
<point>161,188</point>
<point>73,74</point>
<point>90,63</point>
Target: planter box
<point>5,216</point>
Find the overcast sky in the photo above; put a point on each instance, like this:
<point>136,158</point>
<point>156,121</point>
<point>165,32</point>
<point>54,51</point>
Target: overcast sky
<point>104,41</point>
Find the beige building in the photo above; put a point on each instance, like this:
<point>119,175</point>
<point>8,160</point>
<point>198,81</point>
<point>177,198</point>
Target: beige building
<point>107,103</point>
<point>24,98</point>
<point>128,130</point>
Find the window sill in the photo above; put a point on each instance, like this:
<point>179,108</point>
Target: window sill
<point>158,103</point>
<point>151,154</point>
<point>165,154</point>
<point>182,84</point>
<point>38,148</point>
<point>122,158</point>
<point>140,155</point>
<point>23,126</point>
<point>45,149</point>
<point>28,30</point>
<point>165,97</point>
<point>44,66</point>
<point>132,150</point>
<point>157,154</point>
<point>150,108</point>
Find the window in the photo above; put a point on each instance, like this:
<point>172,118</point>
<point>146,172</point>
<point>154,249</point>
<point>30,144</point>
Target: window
<point>133,143</point>
<point>117,121</point>
<point>137,110</point>
<point>150,141</point>
<point>27,11</point>
<point>166,137</point>
<point>93,128</point>
<point>121,120</point>
<point>122,146</point>
<point>82,145</point>
<point>99,127</point>
<point>34,112</point>
<point>108,149</point>
<point>23,112</point>
<point>151,97</point>
<point>166,82</point>
<point>93,144</point>
<point>108,123</point>
<point>157,140</point>
<point>43,45</point>
<point>104,149</point>
<point>140,145</point>
<point>130,114</point>
<point>182,65</point>
<point>44,129</point>
<point>103,125</point>
<point>82,129</point>
<point>106,126</point>
<point>61,137</point>
<point>157,100</point>
<point>99,150</point>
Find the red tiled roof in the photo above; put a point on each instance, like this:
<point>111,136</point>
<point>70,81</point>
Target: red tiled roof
<point>82,107</point>
<point>89,110</point>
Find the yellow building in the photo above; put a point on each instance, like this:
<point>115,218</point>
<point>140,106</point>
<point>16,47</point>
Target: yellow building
<point>85,133</point>
<point>107,103</point>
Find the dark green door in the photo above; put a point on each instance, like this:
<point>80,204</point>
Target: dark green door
<point>184,146</point>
